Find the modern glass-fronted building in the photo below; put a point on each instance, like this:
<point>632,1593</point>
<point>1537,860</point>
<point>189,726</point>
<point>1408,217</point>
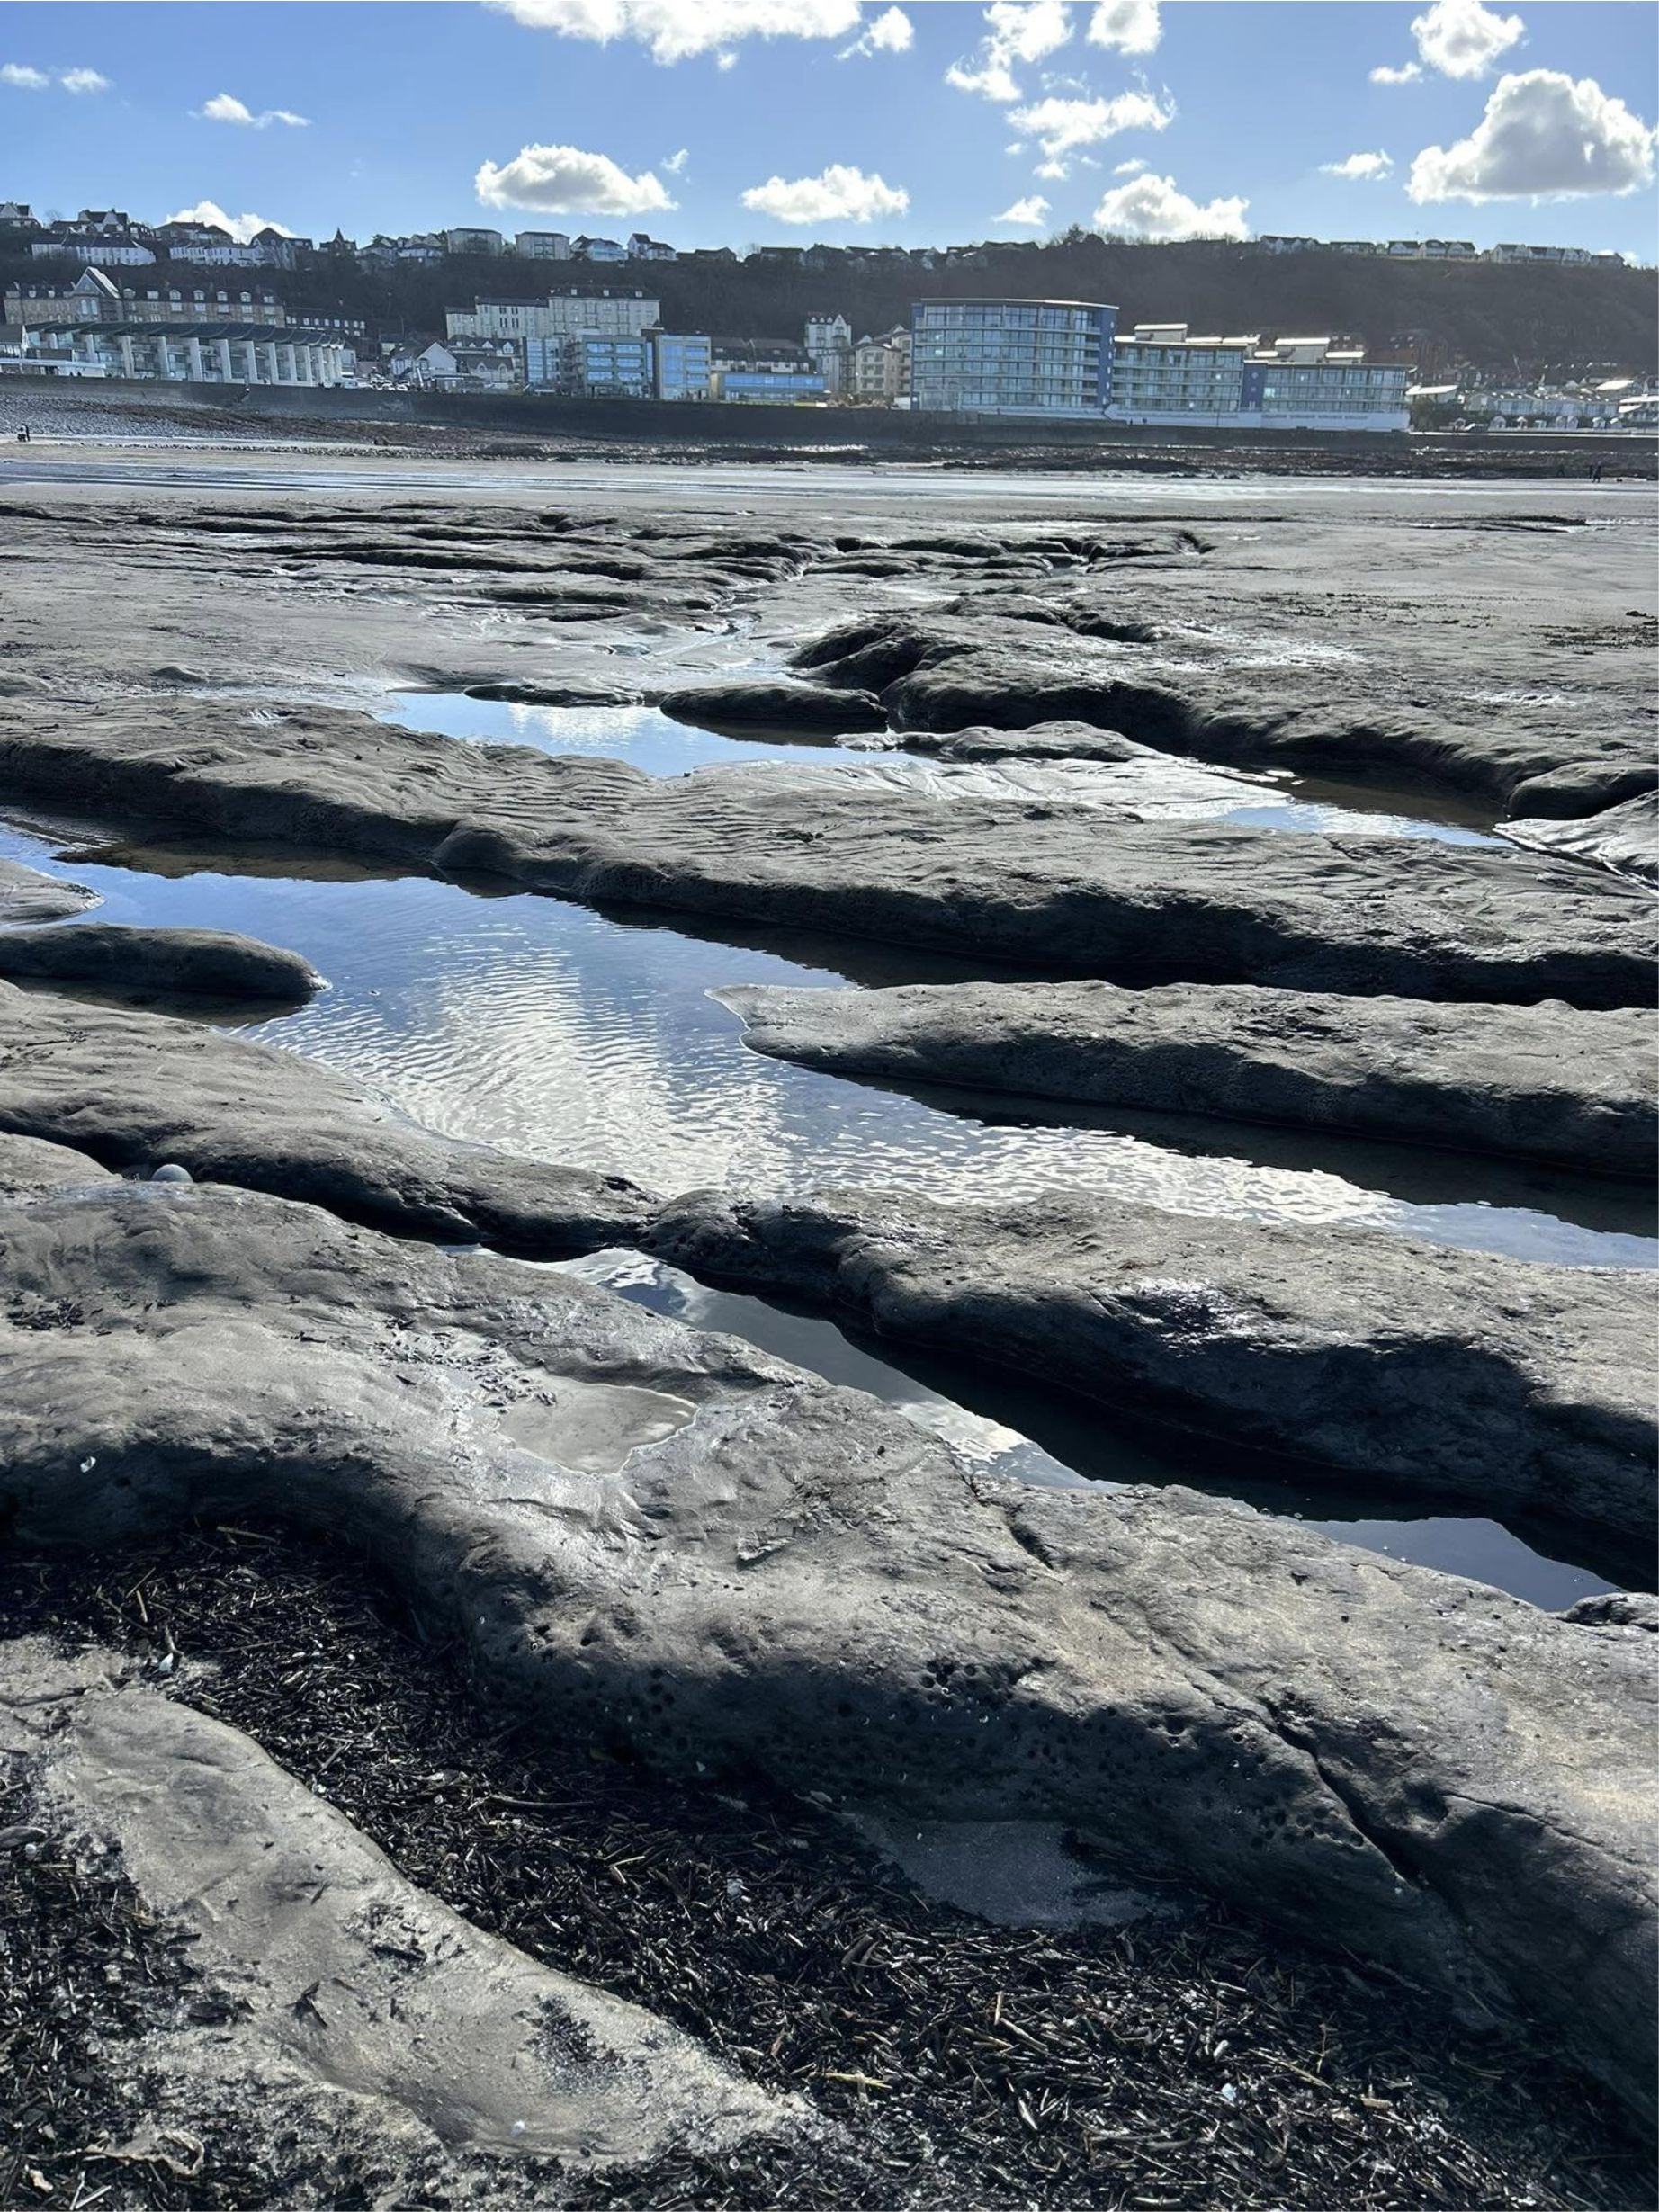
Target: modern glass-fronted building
<point>682,365</point>
<point>1160,375</point>
<point>1012,356</point>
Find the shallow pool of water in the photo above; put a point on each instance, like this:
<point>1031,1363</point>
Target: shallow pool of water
<point>1186,790</point>
<point>567,1034</point>
<point>643,737</point>
<point>571,1035</point>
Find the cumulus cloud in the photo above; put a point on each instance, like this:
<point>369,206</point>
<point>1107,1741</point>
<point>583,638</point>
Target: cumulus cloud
<point>678,30</point>
<point>1460,38</point>
<point>1543,136</point>
<point>1375,166</point>
<point>226,108</point>
<point>22,77</point>
<point>1020,32</point>
<point>563,180</point>
<point>1131,26</point>
<point>674,162</point>
<point>1456,37</point>
<point>891,33</point>
<point>1131,168</point>
<point>242,227</point>
<point>837,195</point>
<point>1061,126</point>
<point>1032,212</point>
<point>1151,207</point>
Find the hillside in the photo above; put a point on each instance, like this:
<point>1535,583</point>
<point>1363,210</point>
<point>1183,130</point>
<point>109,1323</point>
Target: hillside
<point>1506,321</point>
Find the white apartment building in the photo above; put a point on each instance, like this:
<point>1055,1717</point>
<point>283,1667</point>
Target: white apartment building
<point>1160,375</point>
<point>622,314</point>
<point>880,368</point>
<point>542,246</point>
<point>95,298</point>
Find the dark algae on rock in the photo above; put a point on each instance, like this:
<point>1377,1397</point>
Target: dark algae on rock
<point>1182,2058</point>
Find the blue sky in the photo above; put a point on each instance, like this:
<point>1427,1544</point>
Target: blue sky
<point>382,115</point>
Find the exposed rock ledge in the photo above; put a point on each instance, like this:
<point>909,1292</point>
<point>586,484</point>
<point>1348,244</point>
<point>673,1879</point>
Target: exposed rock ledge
<point>27,895</point>
<point>830,849</point>
<point>1033,660</point>
<point>137,1091</point>
<point>356,2012</point>
<point>1517,1390</point>
<point>120,957</point>
<point>642,1533</point>
<point>1546,1082</point>
<point>1624,838</point>
<point>1508,1385</point>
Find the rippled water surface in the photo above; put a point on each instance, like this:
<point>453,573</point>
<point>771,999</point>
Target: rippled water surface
<point>571,1035</point>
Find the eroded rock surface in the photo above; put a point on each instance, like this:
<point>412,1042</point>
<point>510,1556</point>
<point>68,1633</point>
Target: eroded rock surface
<point>123,957</point>
<point>1624,838</point>
<point>27,895</point>
<point>350,2008</point>
<point>836,849</point>
<point>1431,1773</point>
<point>1505,1386</point>
<point>1267,701</point>
<point>774,704</point>
<point>137,1091</point>
<point>1547,1082</point>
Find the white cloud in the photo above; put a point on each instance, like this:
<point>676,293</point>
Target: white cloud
<point>838,195</point>
<point>674,162</point>
<point>1375,166</point>
<point>1130,26</point>
<point>1131,168</point>
<point>1151,207</point>
<point>1543,136</point>
<point>1456,37</point>
<point>1033,211</point>
<point>890,33</point>
<point>224,107</point>
<point>242,227</point>
<point>1052,172</point>
<point>22,77</point>
<point>1021,31</point>
<point>1460,38</point>
<point>1062,125</point>
<point>677,30</point>
<point>563,180</point>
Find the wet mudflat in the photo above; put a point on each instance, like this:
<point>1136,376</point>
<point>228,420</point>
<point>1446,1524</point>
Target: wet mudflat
<point>1175,2059</point>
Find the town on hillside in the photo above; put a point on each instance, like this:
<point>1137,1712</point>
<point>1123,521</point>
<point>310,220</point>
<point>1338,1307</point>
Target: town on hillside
<point>108,296</point>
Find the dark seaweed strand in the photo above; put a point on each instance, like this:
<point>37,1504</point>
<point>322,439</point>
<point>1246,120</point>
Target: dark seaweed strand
<point>1195,2064</point>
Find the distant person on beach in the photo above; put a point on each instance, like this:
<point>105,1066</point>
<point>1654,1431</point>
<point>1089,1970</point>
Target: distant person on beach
<point>22,435</point>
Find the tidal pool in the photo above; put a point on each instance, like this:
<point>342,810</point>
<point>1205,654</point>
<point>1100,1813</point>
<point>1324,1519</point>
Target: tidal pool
<point>569,1034</point>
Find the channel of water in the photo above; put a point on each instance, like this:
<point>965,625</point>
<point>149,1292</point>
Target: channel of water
<point>569,1034</point>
